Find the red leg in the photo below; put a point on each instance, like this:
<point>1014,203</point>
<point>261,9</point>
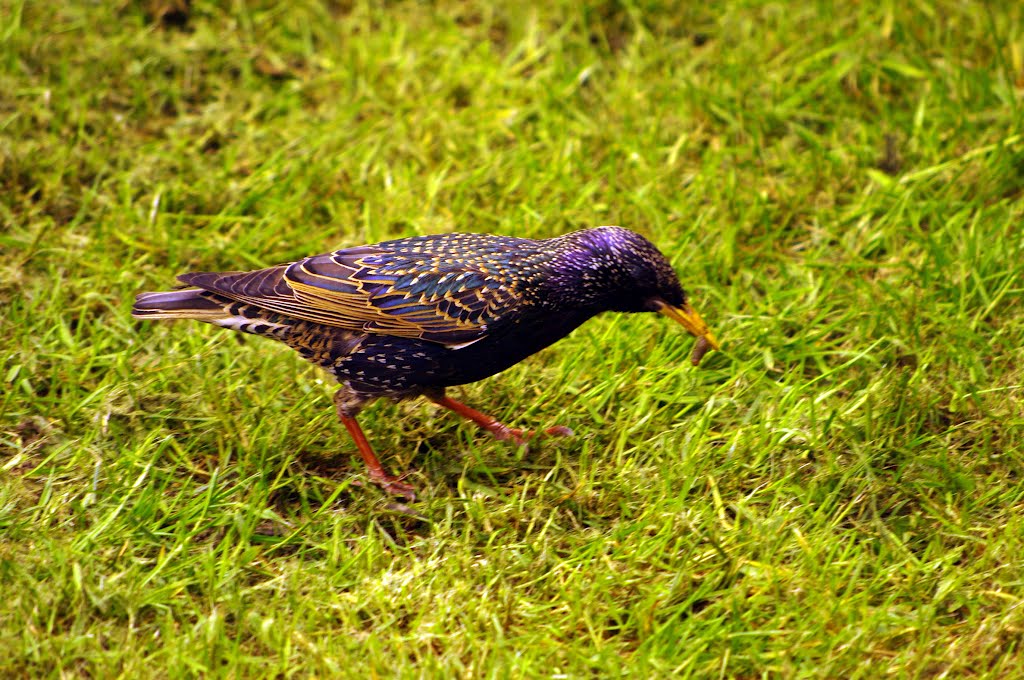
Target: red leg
<point>379,476</point>
<point>495,427</point>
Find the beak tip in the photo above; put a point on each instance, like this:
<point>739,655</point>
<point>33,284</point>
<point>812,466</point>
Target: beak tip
<point>690,319</point>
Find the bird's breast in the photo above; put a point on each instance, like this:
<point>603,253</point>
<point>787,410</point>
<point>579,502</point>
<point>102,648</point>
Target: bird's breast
<point>511,343</point>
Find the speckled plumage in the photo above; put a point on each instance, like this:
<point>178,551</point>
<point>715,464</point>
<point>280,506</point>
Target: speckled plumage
<point>414,316</point>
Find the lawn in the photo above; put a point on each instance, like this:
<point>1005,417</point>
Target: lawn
<point>837,493</point>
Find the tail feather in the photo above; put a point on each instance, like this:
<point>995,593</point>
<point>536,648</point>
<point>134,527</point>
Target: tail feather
<point>201,305</point>
<point>179,304</point>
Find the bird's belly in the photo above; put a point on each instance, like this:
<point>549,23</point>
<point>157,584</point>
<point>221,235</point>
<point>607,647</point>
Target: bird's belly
<point>388,364</point>
<point>503,350</point>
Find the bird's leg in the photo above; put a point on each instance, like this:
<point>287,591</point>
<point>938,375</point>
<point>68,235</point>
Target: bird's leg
<point>348,404</point>
<point>495,427</point>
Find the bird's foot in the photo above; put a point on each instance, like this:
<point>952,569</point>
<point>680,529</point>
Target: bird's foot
<point>498,429</point>
<point>393,485</point>
<point>502,432</point>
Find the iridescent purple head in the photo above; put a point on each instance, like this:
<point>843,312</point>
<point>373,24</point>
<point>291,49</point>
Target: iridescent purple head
<point>615,269</point>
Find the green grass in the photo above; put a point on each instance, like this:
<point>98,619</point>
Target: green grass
<point>837,494</point>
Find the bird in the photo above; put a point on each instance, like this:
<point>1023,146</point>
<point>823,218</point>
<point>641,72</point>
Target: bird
<point>413,316</point>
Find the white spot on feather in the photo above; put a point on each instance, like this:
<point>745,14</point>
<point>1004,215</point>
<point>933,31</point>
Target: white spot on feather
<point>238,323</point>
<point>462,345</point>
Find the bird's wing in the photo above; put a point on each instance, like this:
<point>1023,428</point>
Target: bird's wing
<point>418,295</point>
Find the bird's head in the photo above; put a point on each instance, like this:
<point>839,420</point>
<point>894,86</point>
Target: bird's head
<point>620,270</point>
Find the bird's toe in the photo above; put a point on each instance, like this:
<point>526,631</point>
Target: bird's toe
<point>394,486</point>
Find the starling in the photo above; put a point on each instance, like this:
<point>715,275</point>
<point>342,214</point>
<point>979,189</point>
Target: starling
<point>413,316</point>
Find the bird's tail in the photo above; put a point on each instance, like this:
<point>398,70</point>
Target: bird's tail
<point>190,303</point>
<point>202,305</point>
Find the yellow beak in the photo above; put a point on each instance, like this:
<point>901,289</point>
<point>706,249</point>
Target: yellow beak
<point>691,321</point>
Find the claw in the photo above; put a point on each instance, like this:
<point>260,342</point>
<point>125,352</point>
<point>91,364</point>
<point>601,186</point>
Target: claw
<point>394,485</point>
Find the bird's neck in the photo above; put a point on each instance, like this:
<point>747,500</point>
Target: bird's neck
<point>582,278</point>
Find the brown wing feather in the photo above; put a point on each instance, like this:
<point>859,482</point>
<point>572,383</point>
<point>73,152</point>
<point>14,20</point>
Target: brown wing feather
<point>265,288</point>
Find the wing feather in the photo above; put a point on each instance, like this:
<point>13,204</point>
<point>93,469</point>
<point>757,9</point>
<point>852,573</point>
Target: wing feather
<point>436,296</point>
